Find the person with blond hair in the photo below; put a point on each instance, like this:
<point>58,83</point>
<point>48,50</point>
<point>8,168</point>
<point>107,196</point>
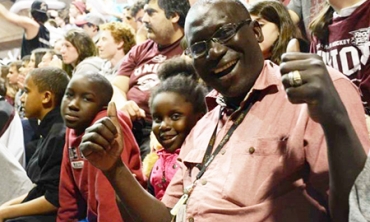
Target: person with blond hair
<point>116,39</point>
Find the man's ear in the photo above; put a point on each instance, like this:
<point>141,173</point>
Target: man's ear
<point>47,97</point>
<point>120,45</point>
<point>175,18</point>
<point>257,30</point>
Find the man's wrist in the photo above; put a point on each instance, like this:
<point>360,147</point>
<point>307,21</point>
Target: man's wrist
<point>114,170</point>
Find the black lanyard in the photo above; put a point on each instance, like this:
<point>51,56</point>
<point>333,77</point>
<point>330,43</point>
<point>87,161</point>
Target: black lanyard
<point>208,157</point>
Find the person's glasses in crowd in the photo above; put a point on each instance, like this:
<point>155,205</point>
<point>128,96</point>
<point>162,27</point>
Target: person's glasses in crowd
<point>222,36</point>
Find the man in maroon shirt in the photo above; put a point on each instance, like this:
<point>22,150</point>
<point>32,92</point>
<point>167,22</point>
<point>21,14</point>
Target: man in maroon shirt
<point>164,22</point>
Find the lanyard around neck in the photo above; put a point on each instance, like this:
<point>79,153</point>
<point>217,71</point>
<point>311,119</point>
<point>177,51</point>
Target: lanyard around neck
<point>208,157</point>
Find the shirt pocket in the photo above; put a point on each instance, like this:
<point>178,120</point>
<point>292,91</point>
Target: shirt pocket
<point>254,168</point>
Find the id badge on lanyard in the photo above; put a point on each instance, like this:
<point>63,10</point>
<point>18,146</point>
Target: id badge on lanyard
<point>178,212</point>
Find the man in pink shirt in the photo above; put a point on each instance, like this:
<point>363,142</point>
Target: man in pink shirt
<point>260,153</point>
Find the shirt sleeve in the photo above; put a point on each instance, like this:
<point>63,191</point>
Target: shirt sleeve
<point>68,210</point>
<point>359,198</point>
<point>316,151</point>
<point>107,209</point>
<point>52,168</point>
<point>128,64</point>
<point>47,161</point>
<point>350,96</point>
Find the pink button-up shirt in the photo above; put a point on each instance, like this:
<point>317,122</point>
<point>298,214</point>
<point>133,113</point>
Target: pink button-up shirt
<point>274,167</point>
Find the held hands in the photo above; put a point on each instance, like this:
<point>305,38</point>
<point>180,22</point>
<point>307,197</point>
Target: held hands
<point>133,110</point>
<point>312,84</point>
<point>102,143</point>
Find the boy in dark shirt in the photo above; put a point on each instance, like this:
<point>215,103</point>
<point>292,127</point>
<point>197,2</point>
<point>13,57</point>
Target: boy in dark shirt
<point>43,92</point>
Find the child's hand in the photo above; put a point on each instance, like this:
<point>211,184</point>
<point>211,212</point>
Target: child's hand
<point>102,143</point>
<point>293,46</point>
<point>133,110</point>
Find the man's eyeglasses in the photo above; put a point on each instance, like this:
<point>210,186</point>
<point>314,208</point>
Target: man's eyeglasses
<point>222,36</point>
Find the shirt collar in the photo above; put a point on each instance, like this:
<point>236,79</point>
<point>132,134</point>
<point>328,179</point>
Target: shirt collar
<point>48,121</point>
<point>266,79</point>
<point>345,12</point>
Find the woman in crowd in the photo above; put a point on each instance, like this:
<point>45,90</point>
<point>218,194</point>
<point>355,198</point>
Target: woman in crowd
<point>277,28</point>
<point>79,53</point>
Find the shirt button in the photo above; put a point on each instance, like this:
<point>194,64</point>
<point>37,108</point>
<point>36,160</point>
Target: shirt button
<point>203,181</point>
<point>191,219</point>
<point>252,150</point>
<point>223,152</point>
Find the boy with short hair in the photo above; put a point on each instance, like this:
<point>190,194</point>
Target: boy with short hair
<point>84,191</point>
<point>43,92</point>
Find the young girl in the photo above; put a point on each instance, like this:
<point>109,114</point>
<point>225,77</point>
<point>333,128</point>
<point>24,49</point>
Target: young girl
<point>176,105</point>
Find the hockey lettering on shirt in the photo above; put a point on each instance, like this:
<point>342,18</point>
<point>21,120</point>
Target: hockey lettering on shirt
<point>347,55</point>
<point>348,48</point>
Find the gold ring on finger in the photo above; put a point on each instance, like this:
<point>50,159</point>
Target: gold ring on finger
<point>295,78</point>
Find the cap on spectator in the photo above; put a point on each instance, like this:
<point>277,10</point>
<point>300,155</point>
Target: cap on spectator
<point>93,18</point>
<point>80,6</point>
<point>39,6</point>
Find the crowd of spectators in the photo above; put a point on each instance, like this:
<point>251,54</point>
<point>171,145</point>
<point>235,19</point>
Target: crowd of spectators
<point>187,110</point>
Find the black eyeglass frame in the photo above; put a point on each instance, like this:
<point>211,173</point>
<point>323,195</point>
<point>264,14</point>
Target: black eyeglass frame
<point>218,37</point>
